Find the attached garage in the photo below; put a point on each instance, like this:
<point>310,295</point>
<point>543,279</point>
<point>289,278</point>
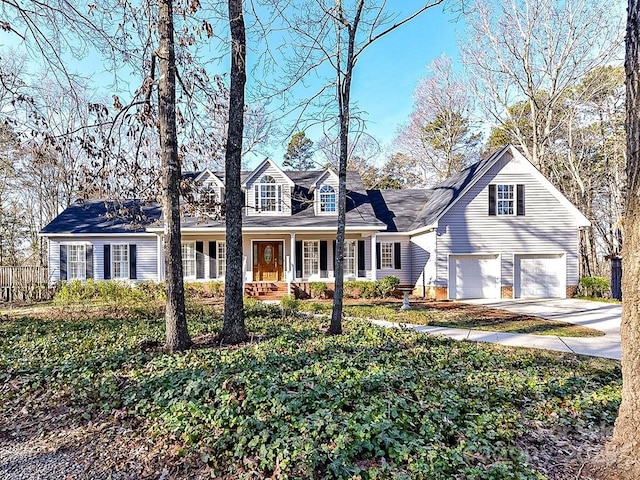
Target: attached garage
<point>474,276</point>
<point>540,276</point>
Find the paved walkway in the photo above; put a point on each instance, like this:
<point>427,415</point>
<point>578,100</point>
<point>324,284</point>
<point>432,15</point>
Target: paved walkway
<point>601,316</point>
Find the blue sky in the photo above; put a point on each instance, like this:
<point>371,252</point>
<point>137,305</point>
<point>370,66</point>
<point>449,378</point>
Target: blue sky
<point>389,70</point>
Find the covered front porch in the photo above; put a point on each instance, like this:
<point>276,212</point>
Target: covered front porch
<point>276,263</point>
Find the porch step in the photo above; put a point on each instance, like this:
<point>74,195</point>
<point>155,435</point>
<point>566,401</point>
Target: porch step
<point>266,290</point>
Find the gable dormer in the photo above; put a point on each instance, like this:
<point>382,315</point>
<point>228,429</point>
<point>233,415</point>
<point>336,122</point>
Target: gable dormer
<point>268,190</point>
<point>325,193</point>
<point>208,187</point>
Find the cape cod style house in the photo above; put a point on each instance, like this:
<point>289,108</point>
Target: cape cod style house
<point>498,229</point>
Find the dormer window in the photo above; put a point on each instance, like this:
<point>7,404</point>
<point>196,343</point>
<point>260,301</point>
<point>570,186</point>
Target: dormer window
<point>327,199</point>
<point>268,195</point>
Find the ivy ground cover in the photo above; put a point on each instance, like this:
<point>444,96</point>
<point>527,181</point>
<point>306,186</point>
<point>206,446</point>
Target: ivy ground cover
<point>297,403</point>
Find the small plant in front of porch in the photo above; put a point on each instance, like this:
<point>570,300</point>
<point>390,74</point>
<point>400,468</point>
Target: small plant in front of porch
<point>318,289</point>
<point>289,305</point>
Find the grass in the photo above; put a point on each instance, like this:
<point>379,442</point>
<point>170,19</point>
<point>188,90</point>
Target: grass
<point>371,403</point>
<point>457,315</point>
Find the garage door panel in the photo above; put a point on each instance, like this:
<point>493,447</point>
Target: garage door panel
<point>474,276</point>
<point>540,276</point>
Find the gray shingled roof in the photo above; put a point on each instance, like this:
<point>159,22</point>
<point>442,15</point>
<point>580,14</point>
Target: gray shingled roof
<point>103,216</point>
<point>398,210</point>
<point>360,212</point>
<point>406,210</point>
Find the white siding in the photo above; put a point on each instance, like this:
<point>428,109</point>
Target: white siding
<point>423,260</point>
<point>546,228</point>
<point>146,254</point>
<point>404,274</point>
<point>284,182</point>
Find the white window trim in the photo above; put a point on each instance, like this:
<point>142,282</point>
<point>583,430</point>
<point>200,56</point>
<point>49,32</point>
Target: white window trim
<point>279,196</point>
<point>316,273</point>
<point>354,272</point>
<point>83,261</point>
<point>113,261</point>
<point>320,203</point>
<point>190,246</point>
<point>513,200</point>
<point>384,255</point>
<point>221,260</point>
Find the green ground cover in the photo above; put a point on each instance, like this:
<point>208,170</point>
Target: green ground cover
<point>297,403</point>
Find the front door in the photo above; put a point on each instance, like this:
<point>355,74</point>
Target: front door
<point>267,261</point>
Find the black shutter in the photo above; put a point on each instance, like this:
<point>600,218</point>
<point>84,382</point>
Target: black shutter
<point>133,260</point>
<point>378,256</point>
<point>107,261</point>
<point>89,259</point>
<point>520,199</point>
<point>213,273</point>
<point>63,262</point>
<point>492,199</point>
<point>298,259</point>
<point>323,259</point>
<point>397,260</point>
<point>361,269</point>
<point>199,259</point>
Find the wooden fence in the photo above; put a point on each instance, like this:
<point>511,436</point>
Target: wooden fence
<point>24,284</point>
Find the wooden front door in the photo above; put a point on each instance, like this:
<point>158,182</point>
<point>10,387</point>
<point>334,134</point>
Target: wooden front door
<point>267,261</point>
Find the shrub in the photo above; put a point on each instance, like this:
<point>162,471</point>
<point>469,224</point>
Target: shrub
<point>594,287</point>
<point>289,305</point>
<point>387,286</point>
<point>318,289</point>
<point>382,288</point>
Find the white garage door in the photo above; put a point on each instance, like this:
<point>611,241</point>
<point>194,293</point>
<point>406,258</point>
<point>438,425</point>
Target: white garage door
<point>474,276</point>
<point>540,276</point>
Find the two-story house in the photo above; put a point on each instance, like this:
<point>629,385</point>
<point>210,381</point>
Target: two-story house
<point>496,229</point>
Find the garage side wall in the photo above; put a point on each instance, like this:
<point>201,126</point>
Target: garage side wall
<point>547,227</point>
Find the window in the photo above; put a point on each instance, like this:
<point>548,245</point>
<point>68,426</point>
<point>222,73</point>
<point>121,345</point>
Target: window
<point>327,199</point>
<point>310,258</point>
<point>76,262</point>
<point>386,255</point>
<point>349,258</point>
<point>268,195</point>
<point>189,260</point>
<point>505,199</point>
<point>222,258</point>
<point>120,261</point>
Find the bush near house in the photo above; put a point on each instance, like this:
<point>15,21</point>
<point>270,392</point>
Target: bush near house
<point>598,287</point>
<point>318,289</point>
<point>382,288</point>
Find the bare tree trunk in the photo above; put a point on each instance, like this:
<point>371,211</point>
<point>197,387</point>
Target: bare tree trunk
<point>175,316</point>
<point>233,328</point>
<point>626,435</point>
<point>343,87</point>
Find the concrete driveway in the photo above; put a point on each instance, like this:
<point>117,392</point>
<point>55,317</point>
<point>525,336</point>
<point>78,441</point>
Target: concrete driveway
<point>601,316</point>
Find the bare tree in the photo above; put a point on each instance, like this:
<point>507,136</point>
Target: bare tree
<point>534,51</point>
<point>233,328</point>
<point>329,38</point>
<point>439,139</point>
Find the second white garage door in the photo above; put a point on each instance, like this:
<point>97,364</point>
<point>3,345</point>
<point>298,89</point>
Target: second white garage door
<point>474,276</point>
<point>540,276</point>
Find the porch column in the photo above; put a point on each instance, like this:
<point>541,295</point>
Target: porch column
<point>374,267</point>
<point>292,263</point>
